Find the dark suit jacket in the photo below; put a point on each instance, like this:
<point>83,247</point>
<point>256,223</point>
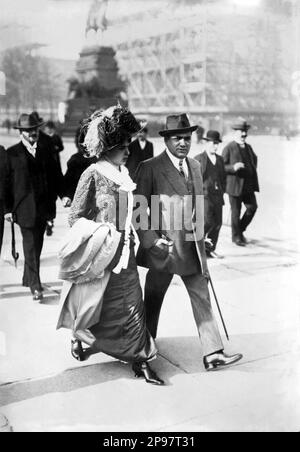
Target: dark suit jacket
<point>235,181</point>
<point>208,188</point>
<point>3,172</point>
<point>159,177</point>
<point>138,155</point>
<point>20,199</point>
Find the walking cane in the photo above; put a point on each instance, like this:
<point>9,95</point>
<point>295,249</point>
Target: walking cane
<point>218,306</point>
<point>14,253</point>
<point>209,277</point>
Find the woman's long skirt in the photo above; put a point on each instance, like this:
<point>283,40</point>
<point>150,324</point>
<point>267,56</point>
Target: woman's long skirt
<point>121,329</point>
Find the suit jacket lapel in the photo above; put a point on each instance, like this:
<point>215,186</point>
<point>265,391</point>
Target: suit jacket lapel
<point>250,153</point>
<point>173,176</point>
<point>238,152</point>
<point>22,154</point>
<point>204,162</point>
<point>196,176</point>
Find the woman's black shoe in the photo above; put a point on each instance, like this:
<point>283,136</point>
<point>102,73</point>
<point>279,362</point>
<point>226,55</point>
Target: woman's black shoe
<point>144,370</point>
<point>77,350</point>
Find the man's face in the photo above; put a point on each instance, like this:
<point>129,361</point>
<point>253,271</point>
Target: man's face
<point>49,131</point>
<point>31,136</point>
<point>212,147</point>
<point>241,136</point>
<point>179,145</point>
<point>142,135</point>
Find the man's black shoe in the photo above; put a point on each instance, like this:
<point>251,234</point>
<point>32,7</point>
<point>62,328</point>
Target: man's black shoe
<point>239,242</point>
<point>215,255</point>
<point>219,360</point>
<point>37,295</point>
<point>243,239</point>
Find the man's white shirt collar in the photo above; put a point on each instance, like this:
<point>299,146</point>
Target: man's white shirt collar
<point>142,144</point>
<point>240,144</point>
<point>175,162</point>
<point>212,158</point>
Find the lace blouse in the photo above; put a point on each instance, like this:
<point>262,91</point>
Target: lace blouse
<point>98,198</point>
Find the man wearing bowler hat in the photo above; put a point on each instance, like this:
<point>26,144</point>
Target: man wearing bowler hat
<point>140,149</point>
<point>214,184</point>
<point>242,181</point>
<point>165,249</point>
<point>32,189</point>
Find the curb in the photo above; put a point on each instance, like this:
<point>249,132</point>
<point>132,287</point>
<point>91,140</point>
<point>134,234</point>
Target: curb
<point>4,425</point>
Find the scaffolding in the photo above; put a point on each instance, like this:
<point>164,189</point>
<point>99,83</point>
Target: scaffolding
<point>211,58</point>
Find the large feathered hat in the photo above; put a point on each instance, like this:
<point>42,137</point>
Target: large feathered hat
<point>107,129</point>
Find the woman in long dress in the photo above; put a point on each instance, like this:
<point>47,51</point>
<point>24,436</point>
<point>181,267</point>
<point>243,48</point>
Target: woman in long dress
<point>104,195</point>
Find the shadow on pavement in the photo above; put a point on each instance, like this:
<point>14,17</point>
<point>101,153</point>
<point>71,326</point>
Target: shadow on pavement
<point>263,353</point>
<point>75,379</point>
<point>50,300</point>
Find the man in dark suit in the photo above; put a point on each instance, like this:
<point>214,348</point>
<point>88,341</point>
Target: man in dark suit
<point>76,165</point>
<point>58,145</point>
<point>172,182</point>
<point>242,181</point>
<point>214,184</point>
<point>140,150</point>
<point>3,173</point>
<point>34,182</point>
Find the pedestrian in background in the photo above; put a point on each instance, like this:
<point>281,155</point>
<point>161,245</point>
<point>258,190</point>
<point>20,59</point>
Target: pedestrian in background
<point>214,186</point>
<point>200,134</point>
<point>57,142</point>
<point>3,175</point>
<point>33,184</point>
<point>242,181</point>
<point>76,165</point>
<point>48,142</point>
<point>140,149</point>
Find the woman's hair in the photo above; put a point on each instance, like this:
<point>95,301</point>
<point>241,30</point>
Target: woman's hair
<point>107,129</point>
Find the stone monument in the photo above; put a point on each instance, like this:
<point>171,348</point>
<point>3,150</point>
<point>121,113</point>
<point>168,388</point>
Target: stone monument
<point>98,84</point>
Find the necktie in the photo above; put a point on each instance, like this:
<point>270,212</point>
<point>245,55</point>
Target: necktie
<point>181,170</point>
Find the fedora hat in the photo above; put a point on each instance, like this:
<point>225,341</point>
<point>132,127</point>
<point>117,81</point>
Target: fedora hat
<point>241,125</point>
<point>28,122</point>
<point>177,124</point>
<point>213,135</point>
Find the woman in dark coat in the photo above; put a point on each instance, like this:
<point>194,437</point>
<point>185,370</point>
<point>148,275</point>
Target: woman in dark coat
<point>104,189</point>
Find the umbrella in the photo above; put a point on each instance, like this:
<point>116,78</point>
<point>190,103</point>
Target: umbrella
<point>14,253</point>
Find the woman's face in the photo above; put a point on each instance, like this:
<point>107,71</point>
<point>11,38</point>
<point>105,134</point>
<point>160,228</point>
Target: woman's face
<point>119,155</point>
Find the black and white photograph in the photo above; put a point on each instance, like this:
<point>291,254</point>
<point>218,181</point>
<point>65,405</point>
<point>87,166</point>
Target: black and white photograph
<point>149,218</point>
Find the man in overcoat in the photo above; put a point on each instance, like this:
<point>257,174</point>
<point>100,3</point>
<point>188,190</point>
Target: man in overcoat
<point>34,182</point>
<point>214,185</point>
<point>3,175</point>
<point>140,149</point>
<point>168,248</point>
<point>242,181</point>
<point>76,165</point>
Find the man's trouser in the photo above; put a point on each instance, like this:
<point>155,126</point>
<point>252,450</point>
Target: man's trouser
<point>239,225</point>
<point>33,239</point>
<point>156,287</point>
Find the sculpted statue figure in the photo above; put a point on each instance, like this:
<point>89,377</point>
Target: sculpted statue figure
<point>96,22</point>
